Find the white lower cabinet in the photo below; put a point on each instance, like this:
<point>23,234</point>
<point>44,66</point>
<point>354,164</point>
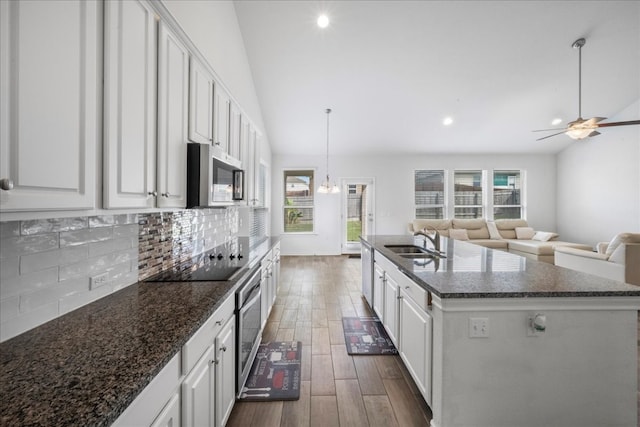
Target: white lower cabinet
<point>225,391</point>
<point>378,291</point>
<point>391,308</point>
<point>170,415</point>
<point>403,306</point>
<point>198,392</point>
<point>155,405</point>
<point>415,342</point>
<point>266,287</point>
<point>208,391</point>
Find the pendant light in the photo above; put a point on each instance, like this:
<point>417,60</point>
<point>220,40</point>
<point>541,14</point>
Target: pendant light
<point>326,187</point>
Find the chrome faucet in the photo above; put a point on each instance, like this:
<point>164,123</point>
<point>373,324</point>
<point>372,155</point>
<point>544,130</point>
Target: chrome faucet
<point>435,239</point>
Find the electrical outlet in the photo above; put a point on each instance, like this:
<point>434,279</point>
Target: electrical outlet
<point>478,327</point>
<point>99,280</point>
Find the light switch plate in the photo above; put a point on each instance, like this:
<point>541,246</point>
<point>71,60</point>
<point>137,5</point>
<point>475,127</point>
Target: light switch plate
<point>99,280</point>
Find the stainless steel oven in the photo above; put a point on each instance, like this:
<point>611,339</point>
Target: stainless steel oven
<point>249,325</point>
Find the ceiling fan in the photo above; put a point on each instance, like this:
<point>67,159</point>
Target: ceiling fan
<point>583,128</point>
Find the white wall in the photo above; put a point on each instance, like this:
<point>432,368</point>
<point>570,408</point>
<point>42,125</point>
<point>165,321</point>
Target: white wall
<point>394,204</point>
<point>599,183</point>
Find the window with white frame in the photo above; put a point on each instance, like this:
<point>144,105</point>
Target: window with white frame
<point>468,194</point>
<point>507,194</point>
<point>298,201</point>
<point>429,193</point>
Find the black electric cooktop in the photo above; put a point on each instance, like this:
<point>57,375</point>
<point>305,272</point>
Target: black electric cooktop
<point>210,267</point>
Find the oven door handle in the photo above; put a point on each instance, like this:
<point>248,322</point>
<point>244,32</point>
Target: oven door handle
<point>248,305</point>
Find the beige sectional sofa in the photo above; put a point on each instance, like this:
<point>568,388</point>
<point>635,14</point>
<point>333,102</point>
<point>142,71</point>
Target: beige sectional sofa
<point>617,260</point>
<point>477,231</point>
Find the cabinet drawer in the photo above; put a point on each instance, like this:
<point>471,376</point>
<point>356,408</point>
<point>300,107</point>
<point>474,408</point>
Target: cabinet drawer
<point>203,338</point>
<point>418,294</point>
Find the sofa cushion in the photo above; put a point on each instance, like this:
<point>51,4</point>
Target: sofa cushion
<point>507,227</point>
<point>621,239</point>
<point>544,236</point>
<point>458,234</point>
<point>581,252</point>
<point>476,228</point>
<point>442,225</point>
<point>491,243</point>
<point>525,233</point>
<point>494,234</point>
<point>542,248</point>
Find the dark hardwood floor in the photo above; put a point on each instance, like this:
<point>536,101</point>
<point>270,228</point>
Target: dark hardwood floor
<point>337,389</point>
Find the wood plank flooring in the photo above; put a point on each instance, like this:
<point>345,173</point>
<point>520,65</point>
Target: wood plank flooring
<point>337,389</point>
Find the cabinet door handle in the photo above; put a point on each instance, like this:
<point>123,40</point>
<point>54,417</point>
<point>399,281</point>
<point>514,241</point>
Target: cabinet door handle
<point>6,184</point>
<point>219,322</point>
<point>217,143</point>
<point>153,193</point>
<point>223,348</point>
<point>166,194</point>
<point>399,297</point>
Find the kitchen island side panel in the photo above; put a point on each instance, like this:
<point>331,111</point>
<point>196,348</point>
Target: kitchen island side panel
<point>581,371</point>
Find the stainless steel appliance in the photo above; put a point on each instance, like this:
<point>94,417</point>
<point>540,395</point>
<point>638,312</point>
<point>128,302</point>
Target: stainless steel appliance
<point>213,177</point>
<point>248,316</point>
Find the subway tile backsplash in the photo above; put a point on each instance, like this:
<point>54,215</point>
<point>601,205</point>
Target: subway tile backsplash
<point>46,265</point>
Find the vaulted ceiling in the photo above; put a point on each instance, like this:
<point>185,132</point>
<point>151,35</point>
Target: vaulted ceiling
<point>393,70</point>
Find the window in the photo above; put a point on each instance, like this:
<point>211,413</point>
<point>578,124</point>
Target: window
<point>468,194</point>
<point>298,201</point>
<point>507,194</point>
<point>429,194</point>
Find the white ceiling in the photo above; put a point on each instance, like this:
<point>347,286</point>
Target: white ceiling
<point>392,70</point>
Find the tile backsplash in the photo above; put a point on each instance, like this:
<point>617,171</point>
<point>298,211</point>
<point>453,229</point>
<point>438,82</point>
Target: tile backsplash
<point>49,267</point>
<point>169,238</point>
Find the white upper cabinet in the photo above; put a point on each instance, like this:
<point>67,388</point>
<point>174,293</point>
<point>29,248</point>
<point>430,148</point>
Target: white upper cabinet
<point>49,56</point>
<point>173,95</point>
<point>234,131</point>
<point>221,111</point>
<point>130,69</point>
<point>200,103</point>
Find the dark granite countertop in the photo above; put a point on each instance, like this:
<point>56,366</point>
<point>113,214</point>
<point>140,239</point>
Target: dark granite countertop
<point>86,367</point>
<point>473,271</point>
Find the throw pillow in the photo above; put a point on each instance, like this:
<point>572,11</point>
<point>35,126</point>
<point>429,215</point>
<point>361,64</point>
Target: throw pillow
<point>620,239</point>
<point>494,234</point>
<point>458,234</point>
<point>524,233</point>
<point>544,236</point>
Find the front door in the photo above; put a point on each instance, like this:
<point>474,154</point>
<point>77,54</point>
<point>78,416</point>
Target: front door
<point>357,212</point>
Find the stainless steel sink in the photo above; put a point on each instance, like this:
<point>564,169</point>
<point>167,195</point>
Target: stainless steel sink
<point>406,249</point>
<point>413,251</point>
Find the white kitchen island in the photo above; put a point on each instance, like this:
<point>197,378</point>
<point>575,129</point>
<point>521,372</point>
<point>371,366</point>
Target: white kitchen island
<point>484,363</point>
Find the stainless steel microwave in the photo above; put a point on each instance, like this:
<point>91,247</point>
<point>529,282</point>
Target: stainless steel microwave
<point>212,181</point>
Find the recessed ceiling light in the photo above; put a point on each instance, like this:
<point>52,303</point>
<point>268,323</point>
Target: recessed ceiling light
<point>556,121</point>
<point>447,121</point>
<point>323,21</point>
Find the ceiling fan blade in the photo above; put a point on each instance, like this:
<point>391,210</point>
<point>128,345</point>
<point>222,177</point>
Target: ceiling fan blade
<point>549,136</point>
<point>548,130</point>
<point>630,122</point>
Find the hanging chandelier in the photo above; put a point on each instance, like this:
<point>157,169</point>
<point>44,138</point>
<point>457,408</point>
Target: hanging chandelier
<point>326,187</point>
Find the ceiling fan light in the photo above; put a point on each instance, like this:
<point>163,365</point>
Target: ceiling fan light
<point>579,133</point>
